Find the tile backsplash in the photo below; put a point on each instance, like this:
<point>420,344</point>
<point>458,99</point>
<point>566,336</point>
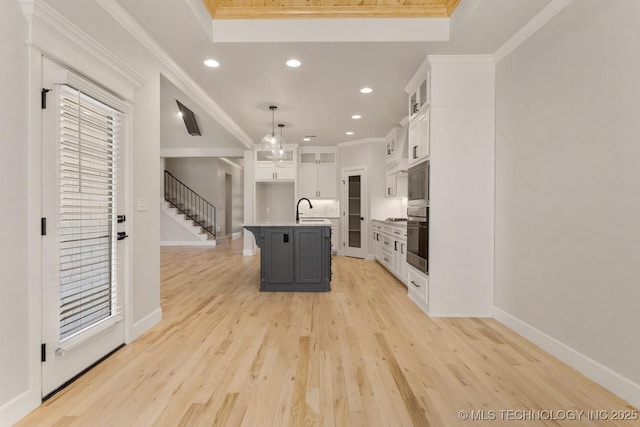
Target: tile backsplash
<point>322,208</point>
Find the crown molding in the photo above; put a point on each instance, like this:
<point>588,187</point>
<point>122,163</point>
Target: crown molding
<point>530,28</point>
<point>360,141</point>
<point>206,102</point>
<point>48,28</point>
<point>202,152</point>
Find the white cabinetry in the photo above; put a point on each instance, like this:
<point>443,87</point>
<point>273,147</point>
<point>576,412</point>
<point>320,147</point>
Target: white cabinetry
<point>268,170</point>
<point>419,137</point>
<point>390,247</point>
<point>418,288</point>
<point>419,90</point>
<point>396,186</point>
<point>460,124</point>
<point>318,173</point>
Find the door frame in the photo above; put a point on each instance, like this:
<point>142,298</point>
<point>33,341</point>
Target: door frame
<point>78,51</point>
<point>126,166</point>
<point>344,225</point>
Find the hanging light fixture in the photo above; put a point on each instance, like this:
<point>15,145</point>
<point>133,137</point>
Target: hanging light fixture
<point>278,152</point>
<point>271,139</point>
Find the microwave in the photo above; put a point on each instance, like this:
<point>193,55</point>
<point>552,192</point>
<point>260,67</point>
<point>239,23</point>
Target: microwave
<point>418,186</point>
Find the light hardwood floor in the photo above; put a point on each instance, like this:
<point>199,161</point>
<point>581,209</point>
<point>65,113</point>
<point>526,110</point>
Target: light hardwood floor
<point>361,355</point>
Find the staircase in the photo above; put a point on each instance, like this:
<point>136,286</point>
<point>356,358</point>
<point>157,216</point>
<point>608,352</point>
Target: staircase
<point>187,206</point>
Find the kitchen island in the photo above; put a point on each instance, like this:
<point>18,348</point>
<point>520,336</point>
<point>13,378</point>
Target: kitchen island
<point>294,257</point>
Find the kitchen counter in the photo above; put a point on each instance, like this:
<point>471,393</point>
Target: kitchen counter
<point>294,257</point>
<point>304,222</point>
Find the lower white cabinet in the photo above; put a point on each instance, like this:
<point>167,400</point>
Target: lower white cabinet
<point>390,247</point>
<point>418,286</point>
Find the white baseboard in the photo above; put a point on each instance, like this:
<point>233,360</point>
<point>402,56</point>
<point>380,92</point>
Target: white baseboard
<point>188,243</point>
<point>612,381</point>
<point>144,324</point>
<point>236,235</point>
<point>421,304</point>
<point>248,252</point>
<point>19,407</point>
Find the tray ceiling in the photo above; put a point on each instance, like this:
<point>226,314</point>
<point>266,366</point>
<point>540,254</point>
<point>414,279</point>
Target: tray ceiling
<point>280,9</point>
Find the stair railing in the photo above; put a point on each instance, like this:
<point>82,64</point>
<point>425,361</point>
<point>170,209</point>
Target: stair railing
<point>190,203</point>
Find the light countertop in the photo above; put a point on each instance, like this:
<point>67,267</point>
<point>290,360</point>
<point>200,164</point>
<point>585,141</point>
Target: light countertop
<point>304,222</point>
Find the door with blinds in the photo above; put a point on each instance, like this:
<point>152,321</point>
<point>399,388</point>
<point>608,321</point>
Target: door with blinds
<point>82,195</point>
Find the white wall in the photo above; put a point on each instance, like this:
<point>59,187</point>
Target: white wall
<point>371,154</point>
<point>14,169</point>
<point>205,176</point>
<point>119,64</point>
<point>568,189</point>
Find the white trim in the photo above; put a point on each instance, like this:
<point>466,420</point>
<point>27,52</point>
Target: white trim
<point>530,28</point>
<point>205,101</point>
<point>420,303</point>
<point>230,163</point>
<point>417,76</point>
<point>249,252</point>
<point>49,29</point>
<point>15,409</point>
<point>330,30</point>
<point>447,59</point>
<point>146,323</point>
<point>612,381</point>
<point>359,141</point>
<point>188,243</point>
<point>236,235</point>
<point>201,14</point>
<point>202,152</point>
<point>32,398</point>
<point>87,334</point>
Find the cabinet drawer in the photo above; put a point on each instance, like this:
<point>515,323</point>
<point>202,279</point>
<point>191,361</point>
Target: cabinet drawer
<point>418,288</point>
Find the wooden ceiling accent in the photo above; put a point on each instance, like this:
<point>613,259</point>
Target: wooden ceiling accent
<point>282,9</point>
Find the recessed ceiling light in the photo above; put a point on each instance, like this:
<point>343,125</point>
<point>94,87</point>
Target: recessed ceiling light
<point>348,133</point>
<point>180,114</point>
<point>294,63</point>
<point>356,116</point>
<point>366,90</point>
<point>306,138</point>
<point>212,63</point>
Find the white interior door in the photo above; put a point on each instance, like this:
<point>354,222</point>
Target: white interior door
<point>82,262</point>
<point>354,217</point>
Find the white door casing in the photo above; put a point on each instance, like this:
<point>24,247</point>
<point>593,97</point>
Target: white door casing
<point>354,212</point>
<point>70,350</point>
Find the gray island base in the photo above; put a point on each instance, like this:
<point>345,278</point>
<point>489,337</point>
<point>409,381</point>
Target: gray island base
<point>294,257</point>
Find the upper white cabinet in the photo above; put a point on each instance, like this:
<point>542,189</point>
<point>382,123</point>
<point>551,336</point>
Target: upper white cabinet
<point>419,90</point>
<point>318,173</point>
<point>268,170</point>
<point>396,149</point>
<point>396,185</point>
<point>419,137</point>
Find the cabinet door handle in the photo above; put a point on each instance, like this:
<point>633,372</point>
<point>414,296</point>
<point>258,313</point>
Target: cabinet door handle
<point>395,246</point>
<point>414,284</point>
<point>415,152</point>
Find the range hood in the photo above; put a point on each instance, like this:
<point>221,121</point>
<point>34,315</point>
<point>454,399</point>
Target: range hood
<point>398,161</point>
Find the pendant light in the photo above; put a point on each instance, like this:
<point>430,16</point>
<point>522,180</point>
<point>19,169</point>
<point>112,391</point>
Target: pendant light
<point>278,152</point>
<point>271,139</point>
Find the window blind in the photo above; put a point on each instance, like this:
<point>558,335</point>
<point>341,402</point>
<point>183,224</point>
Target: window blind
<point>88,160</point>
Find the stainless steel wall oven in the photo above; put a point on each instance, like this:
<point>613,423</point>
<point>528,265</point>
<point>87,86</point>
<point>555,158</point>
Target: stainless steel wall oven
<point>418,238</point>
<point>419,184</point>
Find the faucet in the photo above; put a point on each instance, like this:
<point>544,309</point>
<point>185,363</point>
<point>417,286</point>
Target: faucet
<point>298,208</point>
